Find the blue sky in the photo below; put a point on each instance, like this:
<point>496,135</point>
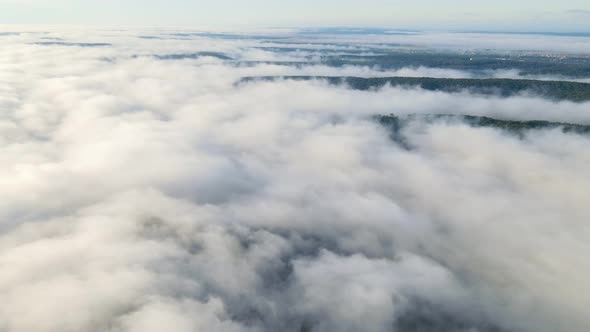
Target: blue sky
<point>529,15</point>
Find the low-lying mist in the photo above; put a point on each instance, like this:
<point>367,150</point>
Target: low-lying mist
<point>143,194</point>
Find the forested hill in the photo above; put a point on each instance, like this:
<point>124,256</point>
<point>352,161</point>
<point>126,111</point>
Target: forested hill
<point>484,121</point>
<point>396,124</point>
<point>558,90</point>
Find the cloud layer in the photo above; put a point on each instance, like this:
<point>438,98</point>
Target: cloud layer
<point>142,194</point>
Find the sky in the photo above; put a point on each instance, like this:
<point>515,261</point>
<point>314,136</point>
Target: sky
<point>502,15</point>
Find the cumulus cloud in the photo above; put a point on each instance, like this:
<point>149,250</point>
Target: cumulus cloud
<point>142,194</point>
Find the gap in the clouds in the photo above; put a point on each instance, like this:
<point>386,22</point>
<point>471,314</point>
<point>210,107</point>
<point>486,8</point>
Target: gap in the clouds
<point>150,37</point>
<point>425,317</point>
<point>357,31</point>
<point>227,36</point>
<point>52,38</point>
<point>531,33</point>
<point>196,55</point>
<point>59,43</point>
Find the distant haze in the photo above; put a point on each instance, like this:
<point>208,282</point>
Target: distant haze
<point>502,15</point>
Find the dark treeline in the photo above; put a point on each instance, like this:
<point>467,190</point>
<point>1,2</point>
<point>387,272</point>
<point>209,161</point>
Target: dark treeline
<point>382,56</point>
<point>558,90</point>
<point>571,66</point>
<point>396,124</point>
<point>484,121</point>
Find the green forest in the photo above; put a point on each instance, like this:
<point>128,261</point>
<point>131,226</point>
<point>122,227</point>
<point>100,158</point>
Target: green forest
<point>557,90</point>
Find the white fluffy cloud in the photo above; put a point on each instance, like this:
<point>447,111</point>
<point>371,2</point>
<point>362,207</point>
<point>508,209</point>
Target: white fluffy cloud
<point>142,195</point>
